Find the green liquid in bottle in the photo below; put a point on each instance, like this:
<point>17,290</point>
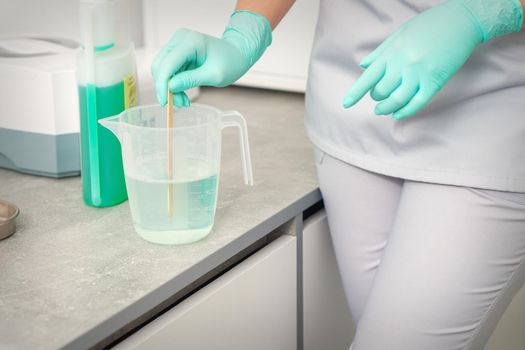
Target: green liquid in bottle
<point>103,181</point>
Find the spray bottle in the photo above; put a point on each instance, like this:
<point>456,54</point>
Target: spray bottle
<point>106,77</point>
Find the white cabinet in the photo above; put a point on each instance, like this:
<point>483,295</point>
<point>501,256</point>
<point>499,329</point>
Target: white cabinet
<point>327,321</point>
<point>252,306</point>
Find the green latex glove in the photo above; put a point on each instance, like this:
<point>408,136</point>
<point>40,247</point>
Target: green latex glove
<point>415,62</point>
<point>193,59</point>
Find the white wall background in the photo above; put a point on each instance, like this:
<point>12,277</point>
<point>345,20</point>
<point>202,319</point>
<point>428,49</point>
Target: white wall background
<point>284,66</point>
<point>54,18</point>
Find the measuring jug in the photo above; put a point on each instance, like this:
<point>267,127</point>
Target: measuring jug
<point>172,174</point>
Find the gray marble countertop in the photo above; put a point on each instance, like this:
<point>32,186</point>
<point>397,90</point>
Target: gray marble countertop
<point>73,275</point>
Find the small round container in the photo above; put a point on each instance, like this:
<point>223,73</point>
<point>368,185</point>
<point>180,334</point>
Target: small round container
<point>8,214</point>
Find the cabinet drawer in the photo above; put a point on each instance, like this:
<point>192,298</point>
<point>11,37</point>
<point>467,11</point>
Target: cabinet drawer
<point>252,306</point>
<point>327,320</point>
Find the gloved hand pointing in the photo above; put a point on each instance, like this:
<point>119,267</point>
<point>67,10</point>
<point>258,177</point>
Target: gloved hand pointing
<point>193,59</point>
<point>415,62</point>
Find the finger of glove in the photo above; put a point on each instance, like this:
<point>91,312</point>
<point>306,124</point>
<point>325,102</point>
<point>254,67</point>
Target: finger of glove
<point>189,79</point>
<point>390,81</point>
<point>178,100</point>
<point>402,95</point>
<point>366,81</point>
<point>426,92</point>
<point>186,99</point>
<point>368,60</point>
<point>171,65</point>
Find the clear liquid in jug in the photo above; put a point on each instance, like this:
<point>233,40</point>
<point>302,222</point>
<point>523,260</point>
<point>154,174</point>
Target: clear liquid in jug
<point>193,199</point>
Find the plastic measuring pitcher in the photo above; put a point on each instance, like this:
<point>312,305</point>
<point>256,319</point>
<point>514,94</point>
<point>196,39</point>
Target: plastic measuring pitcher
<point>172,174</point>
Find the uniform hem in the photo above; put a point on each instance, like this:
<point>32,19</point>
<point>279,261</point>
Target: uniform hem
<point>408,172</point>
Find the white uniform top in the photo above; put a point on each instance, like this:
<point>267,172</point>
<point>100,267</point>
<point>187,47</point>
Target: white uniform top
<point>471,134</point>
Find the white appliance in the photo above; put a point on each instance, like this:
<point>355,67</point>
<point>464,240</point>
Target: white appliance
<point>39,116</point>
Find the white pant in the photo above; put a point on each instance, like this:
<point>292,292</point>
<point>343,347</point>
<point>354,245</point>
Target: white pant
<point>424,266</point>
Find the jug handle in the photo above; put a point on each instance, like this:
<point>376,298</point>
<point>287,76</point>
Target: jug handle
<point>234,118</point>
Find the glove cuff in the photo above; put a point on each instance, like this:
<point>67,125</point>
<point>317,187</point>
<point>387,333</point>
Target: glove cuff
<point>495,17</point>
<point>249,32</point>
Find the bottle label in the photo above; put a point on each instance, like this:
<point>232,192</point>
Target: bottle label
<point>130,91</point>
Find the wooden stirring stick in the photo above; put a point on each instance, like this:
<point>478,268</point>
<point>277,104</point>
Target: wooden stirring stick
<point>169,126</point>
